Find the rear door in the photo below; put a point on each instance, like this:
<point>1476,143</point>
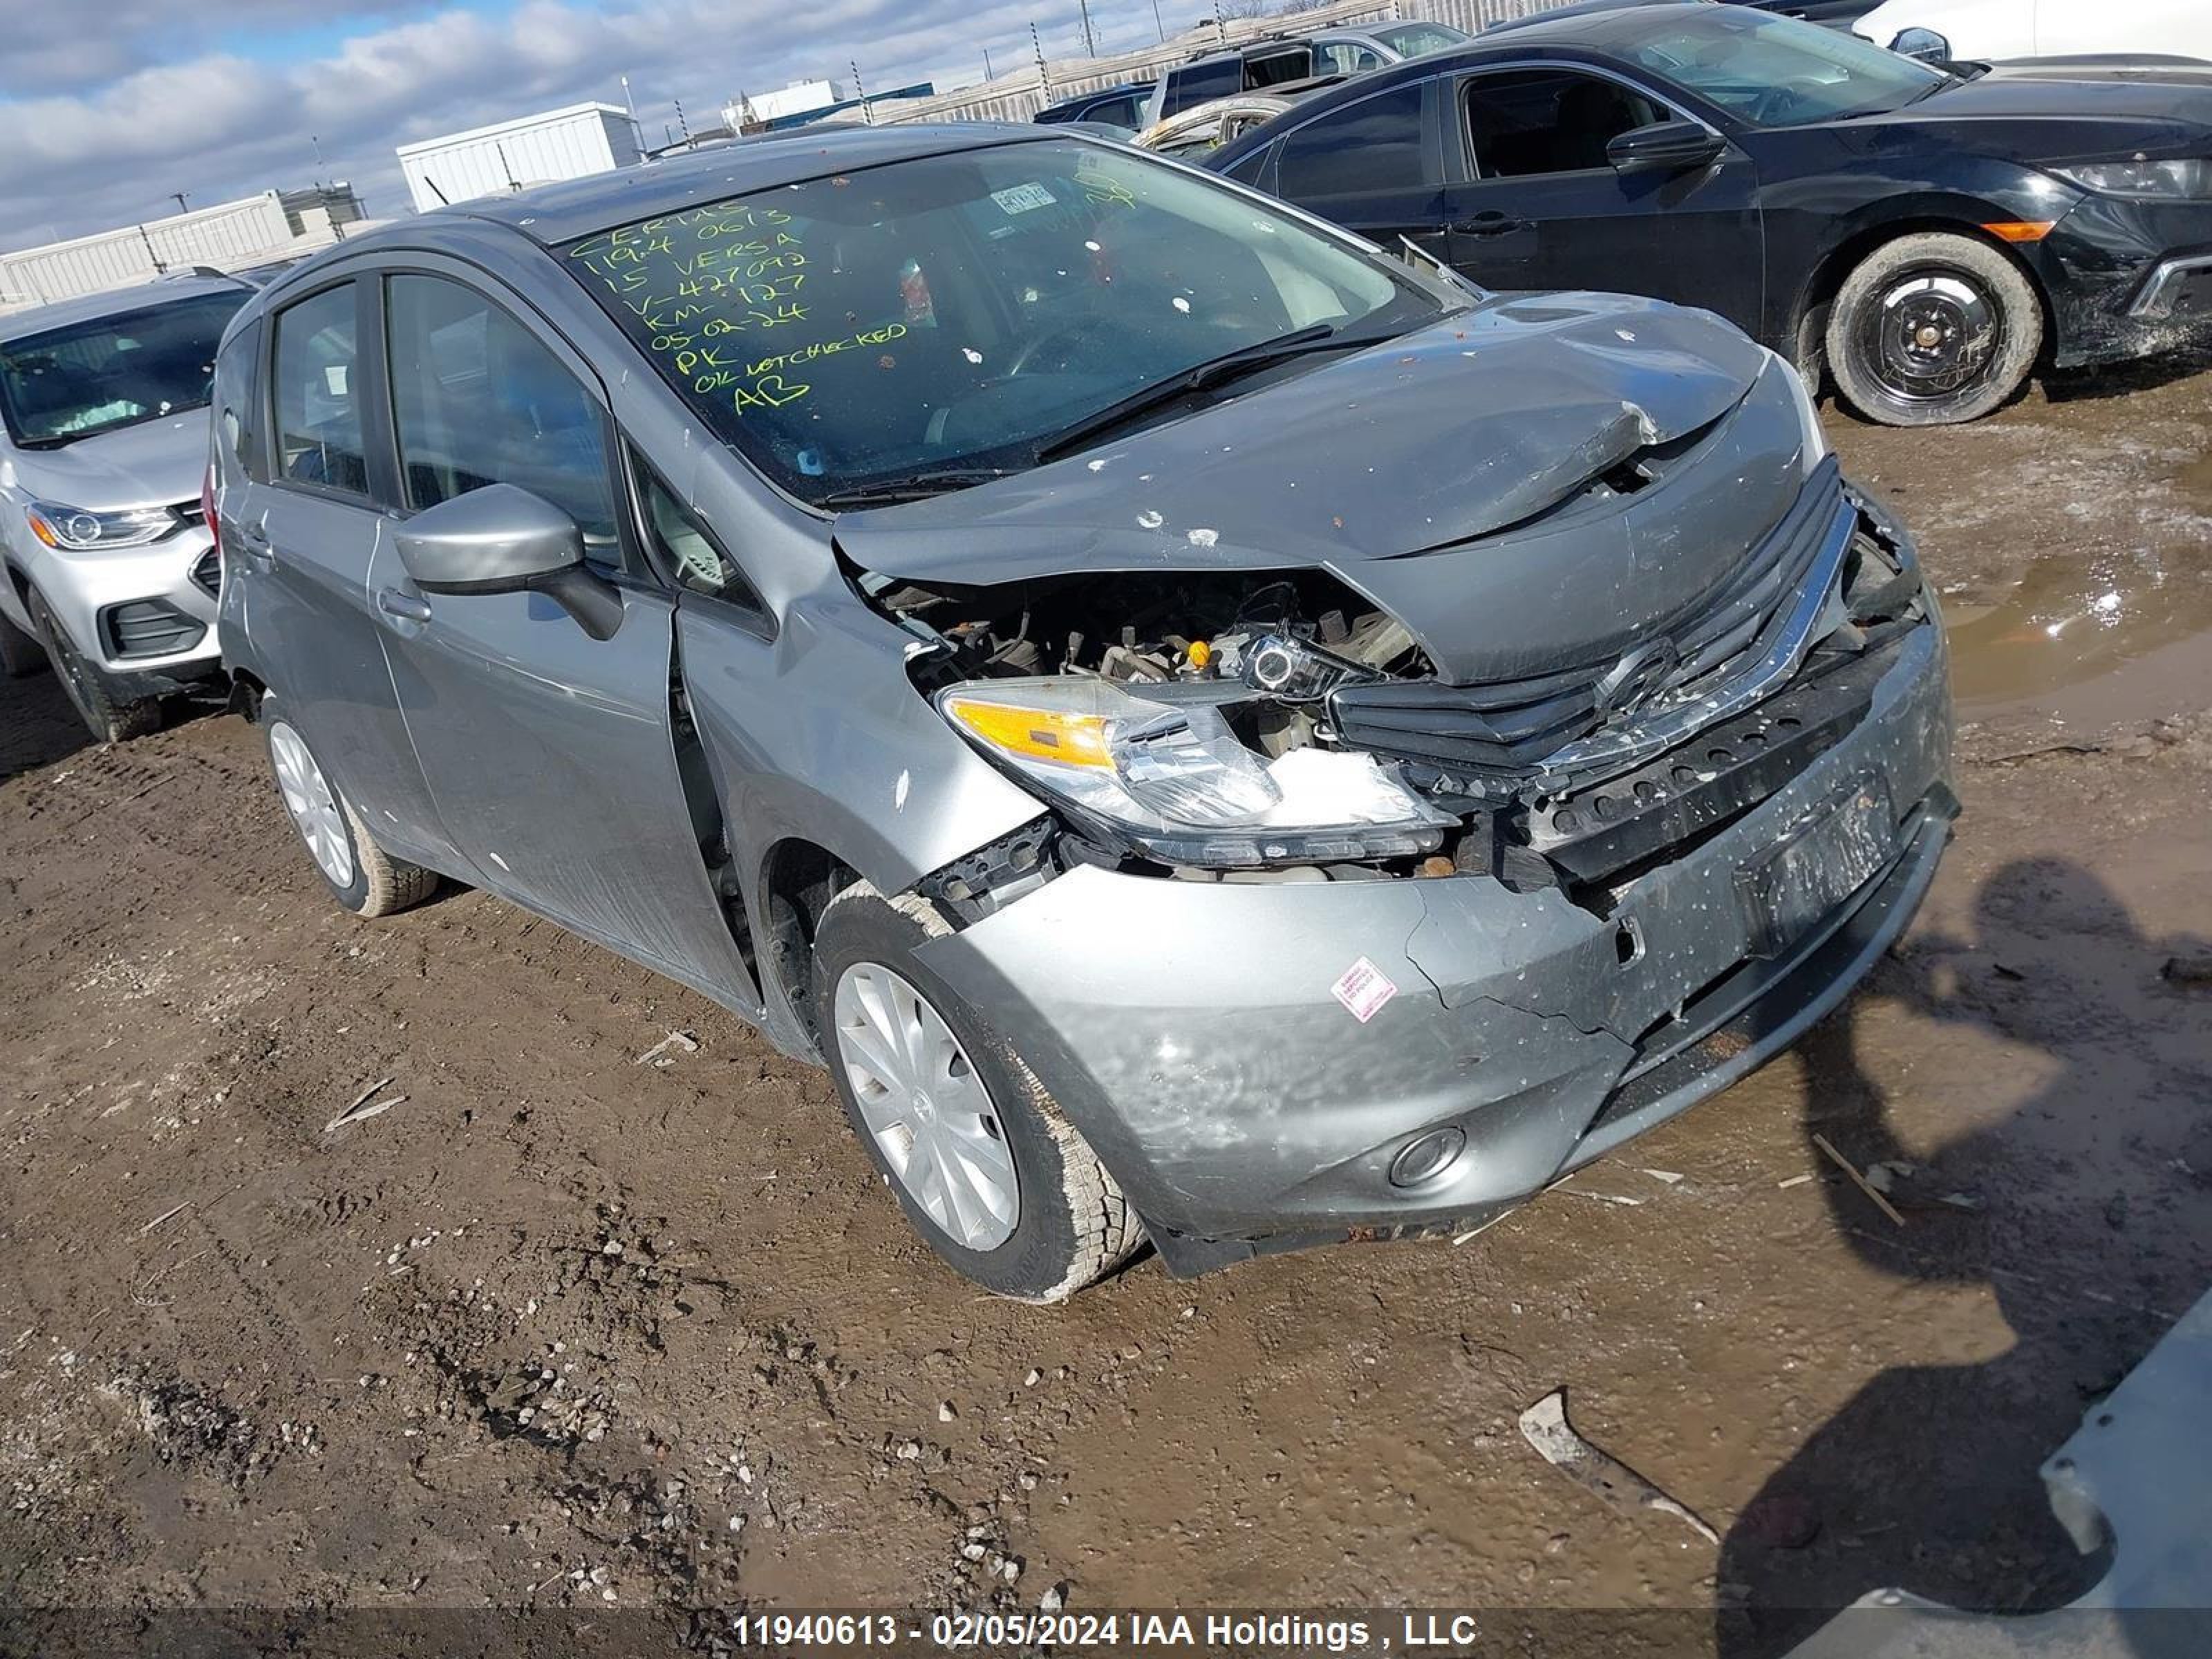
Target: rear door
<point>1536,204</point>
<point>298,543</point>
<point>551,755</point>
<point>1371,165</point>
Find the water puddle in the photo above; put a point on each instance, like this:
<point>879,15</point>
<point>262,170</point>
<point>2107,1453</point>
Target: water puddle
<point>2094,640</point>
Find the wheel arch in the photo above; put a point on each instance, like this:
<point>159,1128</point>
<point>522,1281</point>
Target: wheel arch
<point>797,879</point>
<point>1808,316</point>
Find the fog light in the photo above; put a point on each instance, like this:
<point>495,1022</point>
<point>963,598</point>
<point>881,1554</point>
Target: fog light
<point>1424,1157</point>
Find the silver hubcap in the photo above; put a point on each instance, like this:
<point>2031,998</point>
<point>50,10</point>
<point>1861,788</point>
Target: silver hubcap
<point>313,807</point>
<point>926,1108</point>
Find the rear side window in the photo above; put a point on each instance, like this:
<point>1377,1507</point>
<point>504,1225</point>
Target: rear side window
<point>1114,112</point>
<point>477,399</point>
<point>315,371</point>
<point>1277,68</point>
<point>1536,121</point>
<point>237,433</point>
<point>1374,144</point>
<point>1194,83</point>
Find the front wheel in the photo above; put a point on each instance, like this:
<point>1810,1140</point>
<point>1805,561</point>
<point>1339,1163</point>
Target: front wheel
<point>1933,329</point>
<point>111,719</point>
<point>986,1166</point>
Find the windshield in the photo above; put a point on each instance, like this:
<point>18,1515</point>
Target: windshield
<point>1418,39</point>
<point>957,312</point>
<point>95,376</point>
<point>1778,71</point>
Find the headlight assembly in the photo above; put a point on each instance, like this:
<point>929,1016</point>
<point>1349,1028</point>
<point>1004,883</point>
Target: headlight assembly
<point>76,530</point>
<point>1170,779</point>
<point>2180,180</point>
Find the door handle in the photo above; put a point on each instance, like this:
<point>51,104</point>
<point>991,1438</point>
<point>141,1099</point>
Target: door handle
<point>253,542</point>
<point>1488,224</point>
<point>405,607</point>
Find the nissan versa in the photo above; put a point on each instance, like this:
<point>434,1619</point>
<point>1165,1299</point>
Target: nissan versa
<point>1209,735</point>
<point>108,571</point>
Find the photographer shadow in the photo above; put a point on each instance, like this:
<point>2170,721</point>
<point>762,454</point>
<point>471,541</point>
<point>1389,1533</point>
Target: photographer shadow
<point>1928,1479</point>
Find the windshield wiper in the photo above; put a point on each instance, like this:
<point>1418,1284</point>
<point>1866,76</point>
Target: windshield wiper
<point>1319,337</point>
<point>912,486</point>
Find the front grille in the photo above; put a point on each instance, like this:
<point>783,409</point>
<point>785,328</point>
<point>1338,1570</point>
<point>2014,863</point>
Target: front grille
<point>1517,726</point>
<point>149,628</point>
<point>207,574</point>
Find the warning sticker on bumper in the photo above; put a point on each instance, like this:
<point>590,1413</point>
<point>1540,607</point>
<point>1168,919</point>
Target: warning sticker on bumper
<point>1363,990</point>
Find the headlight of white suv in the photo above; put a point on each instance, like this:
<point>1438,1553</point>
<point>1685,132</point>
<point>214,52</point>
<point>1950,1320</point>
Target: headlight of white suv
<point>1169,777</point>
<point>77,530</point>
<point>2180,180</point>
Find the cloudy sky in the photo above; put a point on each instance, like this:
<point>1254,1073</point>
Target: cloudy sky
<point>108,106</point>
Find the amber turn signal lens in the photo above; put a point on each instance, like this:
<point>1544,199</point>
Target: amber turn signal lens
<point>2021,230</point>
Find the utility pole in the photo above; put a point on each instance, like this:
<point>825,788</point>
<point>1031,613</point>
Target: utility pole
<point>1044,81</point>
<point>1089,41</point>
<point>858,92</point>
<point>178,197</point>
<point>682,125</point>
<point>1159,25</point>
<point>988,76</point>
<point>155,258</point>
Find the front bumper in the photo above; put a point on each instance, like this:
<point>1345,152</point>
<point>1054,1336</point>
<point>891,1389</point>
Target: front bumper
<point>1190,1030</point>
<point>2127,278</point>
<point>89,592</point>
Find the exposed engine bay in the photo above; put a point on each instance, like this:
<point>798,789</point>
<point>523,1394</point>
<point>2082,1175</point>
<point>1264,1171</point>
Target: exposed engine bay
<point>1273,725</point>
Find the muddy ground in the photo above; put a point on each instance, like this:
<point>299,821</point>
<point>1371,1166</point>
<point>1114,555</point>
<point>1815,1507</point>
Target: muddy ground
<point>563,1330</point>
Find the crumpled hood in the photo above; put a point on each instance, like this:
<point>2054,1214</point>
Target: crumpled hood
<point>1387,469</point>
<point>155,463</point>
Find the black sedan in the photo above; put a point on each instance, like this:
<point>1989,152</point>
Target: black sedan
<point>1932,234</point>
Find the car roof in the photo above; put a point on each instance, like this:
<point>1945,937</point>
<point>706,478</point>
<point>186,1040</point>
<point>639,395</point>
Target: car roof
<point>1599,31</point>
<point>557,213</point>
<point>1590,22</point>
<point>1099,94</point>
<point>115,301</point>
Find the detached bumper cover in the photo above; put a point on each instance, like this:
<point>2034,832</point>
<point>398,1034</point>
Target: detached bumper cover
<point>2135,1479</point>
<point>1191,1030</point>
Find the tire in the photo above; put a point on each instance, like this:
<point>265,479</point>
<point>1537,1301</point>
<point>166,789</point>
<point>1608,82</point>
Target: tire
<point>1933,329</point>
<point>361,876</point>
<point>21,654</point>
<point>1070,1223</point>
<point>109,718</point>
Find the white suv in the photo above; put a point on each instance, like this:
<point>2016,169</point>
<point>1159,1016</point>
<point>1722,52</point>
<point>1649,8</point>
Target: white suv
<point>110,572</point>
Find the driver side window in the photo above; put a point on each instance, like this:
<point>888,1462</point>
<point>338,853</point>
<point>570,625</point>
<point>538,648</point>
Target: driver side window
<point>477,399</point>
<point>1527,122</point>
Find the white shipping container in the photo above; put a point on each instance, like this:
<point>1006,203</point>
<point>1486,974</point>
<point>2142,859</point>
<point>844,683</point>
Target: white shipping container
<point>532,150</point>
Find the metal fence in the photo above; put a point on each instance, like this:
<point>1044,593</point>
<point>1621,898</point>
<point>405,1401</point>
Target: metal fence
<point>1020,95</point>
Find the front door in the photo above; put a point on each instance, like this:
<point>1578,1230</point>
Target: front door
<point>1539,206</point>
<point>552,754</point>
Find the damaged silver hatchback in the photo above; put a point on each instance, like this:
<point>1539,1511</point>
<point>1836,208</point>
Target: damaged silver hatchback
<point>1210,734</point>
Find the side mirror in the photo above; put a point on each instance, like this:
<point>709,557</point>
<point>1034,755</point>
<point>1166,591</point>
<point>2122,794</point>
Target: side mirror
<point>1664,147</point>
<point>1924,46</point>
<point>501,539</point>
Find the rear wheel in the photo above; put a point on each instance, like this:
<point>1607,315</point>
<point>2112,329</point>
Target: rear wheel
<point>111,719</point>
<point>987,1167</point>
<point>1933,329</point>
<point>363,877</point>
